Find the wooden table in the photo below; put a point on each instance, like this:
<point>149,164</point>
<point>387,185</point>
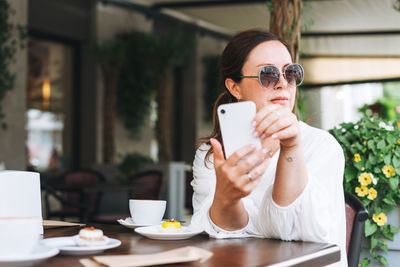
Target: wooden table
<point>227,252</point>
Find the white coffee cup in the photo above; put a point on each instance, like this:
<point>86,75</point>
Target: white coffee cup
<point>147,212</point>
<point>19,236</point>
<point>20,194</point>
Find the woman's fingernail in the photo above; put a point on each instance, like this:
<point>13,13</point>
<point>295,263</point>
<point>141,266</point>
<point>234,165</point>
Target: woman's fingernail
<point>253,146</point>
<point>274,136</point>
<point>253,123</point>
<point>262,136</point>
<point>255,134</point>
<point>264,151</point>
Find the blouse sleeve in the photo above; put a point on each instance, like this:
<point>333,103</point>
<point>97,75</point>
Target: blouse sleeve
<point>318,214</point>
<point>204,188</point>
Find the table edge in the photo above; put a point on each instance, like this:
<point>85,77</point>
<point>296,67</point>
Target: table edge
<point>305,258</point>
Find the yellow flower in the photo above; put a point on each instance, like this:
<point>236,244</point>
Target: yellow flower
<point>357,157</point>
<point>388,171</point>
<point>398,142</point>
<point>398,124</point>
<point>384,242</point>
<point>362,191</point>
<point>372,193</point>
<point>362,168</point>
<point>365,178</point>
<point>380,219</point>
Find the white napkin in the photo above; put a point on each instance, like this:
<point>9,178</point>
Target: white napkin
<point>184,254</point>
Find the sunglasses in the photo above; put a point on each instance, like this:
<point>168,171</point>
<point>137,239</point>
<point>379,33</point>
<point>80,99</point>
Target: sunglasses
<point>269,76</point>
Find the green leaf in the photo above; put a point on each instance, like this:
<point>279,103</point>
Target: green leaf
<point>389,200</point>
<point>374,243</point>
<point>371,144</point>
<point>393,183</point>
<point>383,260</point>
<point>391,139</point>
<point>365,262</point>
<point>383,247</point>
<point>387,159</point>
<point>381,144</point>
<point>394,229</point>
<point>370,228</point>
<point>350,173</point>
<point>396,161</point>
<point>388,235</point>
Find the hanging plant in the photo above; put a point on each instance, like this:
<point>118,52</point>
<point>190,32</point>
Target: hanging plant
<point>138,79</point>
<point>8,47</point>
<point>145,74</point>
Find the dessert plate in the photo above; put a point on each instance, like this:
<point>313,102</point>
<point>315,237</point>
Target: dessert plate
<point>128,222</point>
<point>40,253</point>
<point>67,246</point>
<point>155,232</point>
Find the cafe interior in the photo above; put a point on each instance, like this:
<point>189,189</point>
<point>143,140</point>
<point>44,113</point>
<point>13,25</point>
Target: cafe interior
<point>110,97</point>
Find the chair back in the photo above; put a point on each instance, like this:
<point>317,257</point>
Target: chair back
<point>356,214</point>
<point>148,185</point>
<point>82,178</point>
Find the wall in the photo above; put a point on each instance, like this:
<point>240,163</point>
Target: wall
<point>12,140</point>
<point>112,20</point>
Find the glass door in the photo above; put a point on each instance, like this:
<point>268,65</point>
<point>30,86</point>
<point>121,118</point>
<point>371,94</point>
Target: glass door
<point>49,93</point>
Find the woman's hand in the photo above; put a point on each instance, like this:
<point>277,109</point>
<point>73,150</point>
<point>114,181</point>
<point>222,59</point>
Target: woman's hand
<point>279,123</point>
<point>237,177</point>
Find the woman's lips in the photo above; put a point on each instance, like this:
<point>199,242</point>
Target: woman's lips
<point>280,100</point>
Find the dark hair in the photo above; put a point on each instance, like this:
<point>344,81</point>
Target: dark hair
<point>231,63</point>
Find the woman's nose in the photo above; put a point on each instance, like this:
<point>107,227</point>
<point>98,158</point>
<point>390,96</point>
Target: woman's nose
<point>282,83</point>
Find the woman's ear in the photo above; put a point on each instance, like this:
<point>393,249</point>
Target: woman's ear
<point>233,88</point>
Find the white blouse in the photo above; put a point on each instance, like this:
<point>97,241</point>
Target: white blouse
<point>317,215</point>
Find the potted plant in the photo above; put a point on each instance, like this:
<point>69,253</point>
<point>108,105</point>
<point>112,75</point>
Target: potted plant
<point>372,172</point>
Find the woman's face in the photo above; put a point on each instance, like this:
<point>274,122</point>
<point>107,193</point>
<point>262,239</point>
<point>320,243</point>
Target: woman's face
<point>267,53</point>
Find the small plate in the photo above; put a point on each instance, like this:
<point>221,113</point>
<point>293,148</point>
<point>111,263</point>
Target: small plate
<point>128,222</point>
<point>154,232</point>
<point>67,246</point>
<point>40,253</point>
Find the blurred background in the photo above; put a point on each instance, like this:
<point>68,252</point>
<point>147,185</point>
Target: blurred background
<point>120,86</point>
<point>74,54</point>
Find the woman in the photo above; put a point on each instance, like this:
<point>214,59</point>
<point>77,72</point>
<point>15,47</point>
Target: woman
<point>296,192</point>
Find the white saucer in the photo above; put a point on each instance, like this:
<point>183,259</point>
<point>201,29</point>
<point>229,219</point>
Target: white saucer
<point>128,222</point>
<point>154,232</point>
<point>40,253</point>
<point>67,246</point>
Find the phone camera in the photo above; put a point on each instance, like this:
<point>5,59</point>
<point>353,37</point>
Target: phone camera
<point>222,111</point>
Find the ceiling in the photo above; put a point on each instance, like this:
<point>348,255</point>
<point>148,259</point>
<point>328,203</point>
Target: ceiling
<point>329,27</point>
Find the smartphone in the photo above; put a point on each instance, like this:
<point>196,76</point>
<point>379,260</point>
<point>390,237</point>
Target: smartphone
<point>235,123</point>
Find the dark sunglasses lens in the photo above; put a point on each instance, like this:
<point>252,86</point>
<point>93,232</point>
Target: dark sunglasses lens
<point>269,76</point>
<point>294,74</point>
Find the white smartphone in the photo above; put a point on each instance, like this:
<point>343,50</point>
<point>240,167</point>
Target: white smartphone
<point>235,123</point>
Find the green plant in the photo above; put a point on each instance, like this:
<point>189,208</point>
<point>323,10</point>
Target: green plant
<point>137,80</point>
<point>8,47</point>
<point>131,165</point>
<point>372,172</point>
<point>383,108</point>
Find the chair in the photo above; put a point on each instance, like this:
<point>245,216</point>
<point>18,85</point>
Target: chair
<point>356,214</point>
<point>144,185</point>
<point>67,189</point>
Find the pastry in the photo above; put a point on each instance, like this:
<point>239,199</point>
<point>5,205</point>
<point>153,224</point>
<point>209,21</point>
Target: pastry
<point>171,226</point>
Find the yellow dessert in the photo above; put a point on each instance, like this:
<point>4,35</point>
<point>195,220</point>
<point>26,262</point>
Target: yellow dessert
<point>171,226</point>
